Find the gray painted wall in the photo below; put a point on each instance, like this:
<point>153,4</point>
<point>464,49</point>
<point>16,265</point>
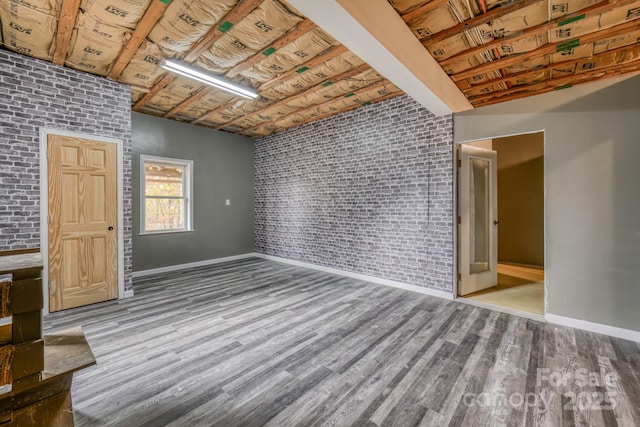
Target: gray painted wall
<point>368,191</point>
<point>222,169</point>
<point>592,151</point>
<point>37,94</point>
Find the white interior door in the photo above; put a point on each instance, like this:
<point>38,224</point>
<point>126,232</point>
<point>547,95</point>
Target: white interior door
<point>478,211</point>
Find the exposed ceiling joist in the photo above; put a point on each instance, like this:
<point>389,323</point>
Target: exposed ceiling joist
<point>344,110</point>
<point>538,29</point>
<point>379,83</point>
<point>234,16</point>
<point>322,116</point>
<point>553,84</point>
<point>360,69</point>
<point>485,18</point>
<point>302,28</point>
<point>330,53</point>
<point>423,10</point>
<point>165,81</point>
<point>68,13</point>
<point>546,50</point>
<point>622,50</point>
<point>376,33</point>
<point>204,90</point>
<point>152,15</point>
<point>206,116</point>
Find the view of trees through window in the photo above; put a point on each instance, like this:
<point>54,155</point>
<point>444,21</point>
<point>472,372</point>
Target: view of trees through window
<point>165,199</point>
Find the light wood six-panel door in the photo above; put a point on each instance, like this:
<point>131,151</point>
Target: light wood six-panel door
<point>83,243</point>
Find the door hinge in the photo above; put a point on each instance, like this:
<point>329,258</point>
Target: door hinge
<point>459,277</point>
<point>459,220</point>
<point>48,219</point>
<point>459,163</point>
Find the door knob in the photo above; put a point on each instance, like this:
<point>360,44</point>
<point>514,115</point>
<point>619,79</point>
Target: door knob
<point>110,228</point>
<point>496,222</point>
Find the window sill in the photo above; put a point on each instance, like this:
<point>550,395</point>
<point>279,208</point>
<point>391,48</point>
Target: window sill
<point>151,233</point>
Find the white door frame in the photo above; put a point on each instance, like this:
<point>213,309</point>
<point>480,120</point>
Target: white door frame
<point>44,207</point>
<point>454,287</point>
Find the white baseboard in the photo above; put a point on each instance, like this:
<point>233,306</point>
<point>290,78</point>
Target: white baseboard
<point>169,268</point>
<point>378,280</point>
<point>614,331</point>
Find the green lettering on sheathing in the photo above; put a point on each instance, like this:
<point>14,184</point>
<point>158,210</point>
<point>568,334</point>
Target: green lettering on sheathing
<point>570,20</point>
<point>225,26</point>
<point>569,44</point>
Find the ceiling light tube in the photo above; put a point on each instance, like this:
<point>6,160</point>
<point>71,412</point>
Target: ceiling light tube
<point>215,81</point>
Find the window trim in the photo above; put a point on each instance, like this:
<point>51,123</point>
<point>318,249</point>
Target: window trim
<point>188,191</point>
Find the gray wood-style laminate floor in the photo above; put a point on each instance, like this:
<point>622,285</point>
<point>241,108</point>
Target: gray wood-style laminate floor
<point>256,342</point>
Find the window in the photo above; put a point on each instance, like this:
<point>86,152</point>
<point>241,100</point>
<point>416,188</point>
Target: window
<point>167,205</point>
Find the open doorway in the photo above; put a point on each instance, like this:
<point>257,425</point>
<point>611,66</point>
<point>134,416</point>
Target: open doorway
<point>501,223</point>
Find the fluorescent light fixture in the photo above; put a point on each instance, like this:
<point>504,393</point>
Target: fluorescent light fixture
<point>201,76</point>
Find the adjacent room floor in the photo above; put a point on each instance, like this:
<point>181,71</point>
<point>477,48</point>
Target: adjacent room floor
<point>255,342</point>
<point>519,288</point>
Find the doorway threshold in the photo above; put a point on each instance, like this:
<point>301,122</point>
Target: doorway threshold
<point>507,310</point>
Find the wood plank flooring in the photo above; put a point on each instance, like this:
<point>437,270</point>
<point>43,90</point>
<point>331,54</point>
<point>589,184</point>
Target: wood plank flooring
<point>255,342</point>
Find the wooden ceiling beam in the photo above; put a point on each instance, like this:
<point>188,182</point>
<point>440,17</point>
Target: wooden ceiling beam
<point>375,85</point>
<point>555,83</point>
<point>344,110</point>
<point>191,99</point>
<point>617,73</point>
<point>139,88</point>
<point>546,68</point>
<point>208,114</point>
<point>423,10</point>
<point>546,50</point>
<point>528,32</point>
<point>151,17</point>
<point>68,13</point>
<point>302,28</point>
<point>498,100</point>
<point>476,21</point>
<point>353,72</point>
<point>165,81</point>
<point>234,16</point>
<point>328,54</point>
<point>233,101</point>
